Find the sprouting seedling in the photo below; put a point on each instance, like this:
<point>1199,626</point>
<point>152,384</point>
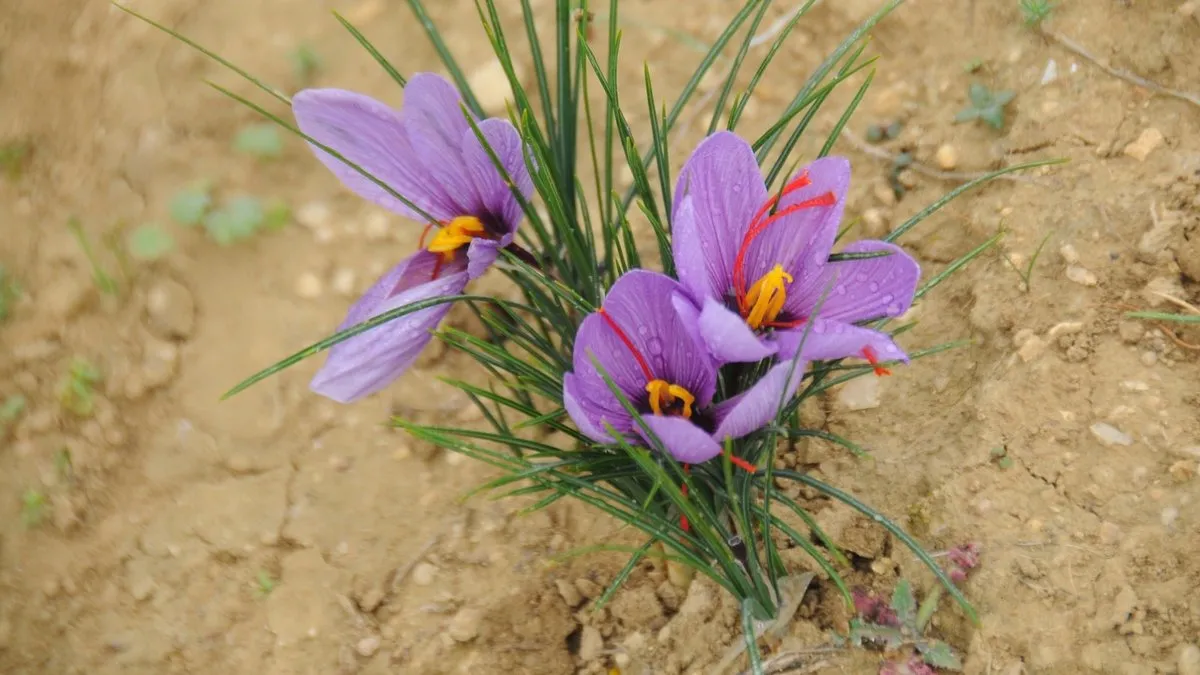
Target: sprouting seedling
<point>191,204</point>
<point>10,411</point>
<point>1034,12</point>
<point>13,156</point>
<point>877,133</point>
<point>985,105</point>
<point>237,219</point>
<point>306,63</point>
<point>974,65</point>
<point>999,456</point>
<point>260,140</point>
<point>63,466</point>
<point>149,242</point>
<point>10,292</point>
<point>902,622</point>
<point>1026,273</point>
<point>76,388</point>
<point>103,280</point>
<point>33,507</point>
<point>266,583</point>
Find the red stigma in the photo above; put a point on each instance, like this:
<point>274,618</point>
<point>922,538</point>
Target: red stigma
<point>873,359</point>
<point>683,521</point>
<point>424,233</point>
<point>741,463</point>
<point>764,219</point>
<point>641,360</point>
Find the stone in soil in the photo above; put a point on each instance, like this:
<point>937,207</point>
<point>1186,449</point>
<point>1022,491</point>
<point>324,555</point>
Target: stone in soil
<point>1146,143</point>
<point>170,310</point>
<point>1110,435</point>
<point>464,627</point>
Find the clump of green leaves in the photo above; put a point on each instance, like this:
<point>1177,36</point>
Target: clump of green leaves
<point>103,280</point>
<point>14,155</point>
<point>10,411</point>
<point>76,388</point>
<point>985,105</point>
<point>306,63</point>
<point>10,292</point>
<point>266,583</point>
<point>877,133</point>
<point>33,507</point>
<point>1034,12</point>
<point>191,204</point>
<point>260,140</point>
<point>149,242</point>
<point>901,623</point>
<point>999,457</point>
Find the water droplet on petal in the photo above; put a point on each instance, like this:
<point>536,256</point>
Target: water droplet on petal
<point>655,346</point>
<point>860,277</point>
<point>893,309</point>
<point>819,327</point>
<point>642,330</point>
<point>841,290</point>
<point>874,287</point>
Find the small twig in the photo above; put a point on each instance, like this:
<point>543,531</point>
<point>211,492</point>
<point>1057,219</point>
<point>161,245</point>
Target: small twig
<point>916,167</point>
<point>795,662</point>
<point>1176,301</point>
<point>1119,73</point>
<point>403,571</point>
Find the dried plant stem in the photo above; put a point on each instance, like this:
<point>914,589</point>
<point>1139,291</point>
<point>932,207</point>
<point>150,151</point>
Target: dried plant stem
<point>1119,73</point>
<point>916,167</point>
<point>795,662</point>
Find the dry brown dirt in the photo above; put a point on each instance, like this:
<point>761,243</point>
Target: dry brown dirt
<point>150,549</point>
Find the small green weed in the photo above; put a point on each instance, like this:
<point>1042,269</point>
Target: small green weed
<point>76,389</point>
<point>103,280</point>
<point>191,204</point>
<point>985,105</point>
<point>1034,12</point>
<point>14,155</point>
<point>33,507</point>
<point>306,63</point>
<point>999,456</point>
<point>149,242</point>
<point>1026,273</point>
<point>259,140</point>
<point>10,292</point>
<point>10,412</point>
<point>266,583</point>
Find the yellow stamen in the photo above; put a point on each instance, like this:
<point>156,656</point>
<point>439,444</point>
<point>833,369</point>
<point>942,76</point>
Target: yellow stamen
<point>455,234</point>
<point>765,298</point>
<point>664,395</point>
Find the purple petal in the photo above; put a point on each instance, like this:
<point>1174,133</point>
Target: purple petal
<point>435,121</point>
<point>728,337</point>
<point>481,254</point>
<point>589,422</point>
<point>369,361</point>
<point>641,304</point>
<point>869,288</point>
<point>693,267</point>
<point>371,135</point>
<point>685,441</point>
<point>828,340</point>
<point>753,409</point>
<point>723,179</point>
<point>495,197</point>
<point>689,314</point>
<point>802,241</point>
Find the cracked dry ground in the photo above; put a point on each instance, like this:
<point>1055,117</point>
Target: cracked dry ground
<point>280,533</point>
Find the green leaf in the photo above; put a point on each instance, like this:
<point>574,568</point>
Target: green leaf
<point>239,219</point>
<point>150,242</point>
<point>979,95</point>
<point>1165,316</point>
<point>306,62</point>
<point>278,215</point>
<point>190,204</point>
<point>939,655</point>
<point>261,140</point>
<point>904,603</point>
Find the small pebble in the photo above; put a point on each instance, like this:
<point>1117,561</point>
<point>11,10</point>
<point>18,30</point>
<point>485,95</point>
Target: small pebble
<point>1032,349</point>
<point>1081,275</point>
<point>367,646</point>
<point>1145,144</point>
<point>947,157</point>
<point>1109,533</point>
<point>1069,254</point>
<point>171,310</point>
<point>1110,435</point>
<point>1168,516</point>
<point>377,226</point>
<point>1131,331</point>
<point>343,282</point>
<point>423,574</point>
<point>314,215</point>
<point>309,286</point>
<point>1188,662</point>
<point>1148,358</point>
<point>569,593</point>
<point>588,588</point>
<point>464,627</point>
<point>1183,470</point>
<point>1192,451</point>
<point>1133,386</point>
<point>591,644</point>
<point>64,297</point>
<point>861,393</point>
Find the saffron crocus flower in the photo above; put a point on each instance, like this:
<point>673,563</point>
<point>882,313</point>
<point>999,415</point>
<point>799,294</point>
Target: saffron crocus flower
<point>429,154</point>
<point>756,264</point>
<point>649,352</point>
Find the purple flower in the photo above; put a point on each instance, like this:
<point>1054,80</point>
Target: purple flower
<point>645,345</point>
<point>429,154</point>
<point>757,263</point>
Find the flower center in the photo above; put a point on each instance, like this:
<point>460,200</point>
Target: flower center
<point>761,303</point>
<point>665,398</point>
<point>764,300</point>
<point>669,399</point>
<point>454,235</point>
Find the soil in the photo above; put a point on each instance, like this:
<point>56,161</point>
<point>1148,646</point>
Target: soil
<point>170,532</point>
